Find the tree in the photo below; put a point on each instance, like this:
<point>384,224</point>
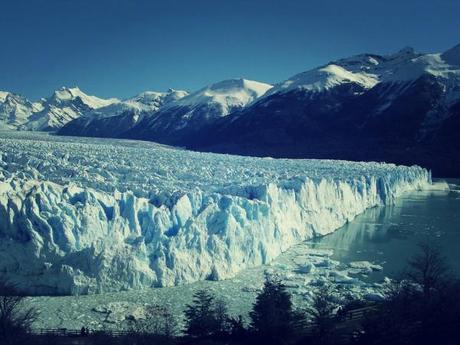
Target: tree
<point>272,316</point>
<point>394,321</point>
<point>428,269</point>
<point>200,316</point>
<point>237,329</point>
<point>438,305</point>
<point>169,327</point>
<point>15,318</point>
<point>322,315</point>
<point>221,316</point>
<point>159,320</point>
<point>424,308</point>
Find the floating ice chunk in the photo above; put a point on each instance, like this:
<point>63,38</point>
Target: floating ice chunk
<point>306,268</point>
<point>320,252</point>
<point>329,263</point>
<point>364,267</point>
<point>341,277</point>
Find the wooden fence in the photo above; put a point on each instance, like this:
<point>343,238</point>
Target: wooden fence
<point>306,328</point>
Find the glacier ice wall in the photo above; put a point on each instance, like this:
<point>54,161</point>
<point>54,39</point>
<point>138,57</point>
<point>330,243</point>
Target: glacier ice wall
<point>86,215</point>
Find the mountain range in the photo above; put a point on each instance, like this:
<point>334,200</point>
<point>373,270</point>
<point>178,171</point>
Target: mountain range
<point>402,108</point>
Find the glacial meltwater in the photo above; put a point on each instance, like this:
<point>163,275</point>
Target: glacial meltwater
<point>390,235</point>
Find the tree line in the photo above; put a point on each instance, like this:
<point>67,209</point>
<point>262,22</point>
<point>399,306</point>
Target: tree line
<point>422,307</point>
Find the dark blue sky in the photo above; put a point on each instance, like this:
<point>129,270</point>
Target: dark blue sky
<point>121,47</point>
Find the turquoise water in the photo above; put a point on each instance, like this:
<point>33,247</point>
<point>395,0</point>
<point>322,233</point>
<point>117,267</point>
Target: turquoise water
<point>383,235</point>
<point>390,235</point>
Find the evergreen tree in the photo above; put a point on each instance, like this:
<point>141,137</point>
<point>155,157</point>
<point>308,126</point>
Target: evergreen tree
<point>221,316</point>
<point>200,315</point>
<point>321,313</point>
<point>272,315</point>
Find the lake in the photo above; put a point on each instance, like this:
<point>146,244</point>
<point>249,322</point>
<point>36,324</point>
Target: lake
<point>390,235</point>
<point>386,236</point>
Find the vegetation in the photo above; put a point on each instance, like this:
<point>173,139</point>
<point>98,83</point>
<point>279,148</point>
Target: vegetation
<point>272,317</point>
<point>322,316</point>
<point>15,318</point>
<point>423,307</point>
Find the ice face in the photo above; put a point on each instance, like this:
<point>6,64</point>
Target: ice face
<point>89,215</point>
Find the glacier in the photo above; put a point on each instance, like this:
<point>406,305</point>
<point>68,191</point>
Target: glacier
<point>81,215</point>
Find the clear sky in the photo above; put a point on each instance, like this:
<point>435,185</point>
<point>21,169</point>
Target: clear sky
<point>122,47</point>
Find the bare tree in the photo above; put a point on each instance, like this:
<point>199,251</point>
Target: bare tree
<point>15,318</point>
<point>158,321</point>
<point>428,269</point>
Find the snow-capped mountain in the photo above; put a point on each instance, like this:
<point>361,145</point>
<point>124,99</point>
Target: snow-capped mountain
<point>325,78</point>
<point>452,56</point>
<point>227,94</point>
<point>403,107</point>
<point>64,106</point>
<point>15,110</point>
<point>177,121</point>
<point>148,101</point>
<point>119,117</point>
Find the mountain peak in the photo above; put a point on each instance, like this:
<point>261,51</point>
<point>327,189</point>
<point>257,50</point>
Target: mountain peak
<point>3,95</point>
<point>227,84</point>
<point>239,83</point>
<point>404,54</point>
<point>170,91</point>
<point>69,94</point>
<point>452,56</point>
<point>325,78</point>
<point>406,51</point>
<point>229,93</point>
<point>74,88</point>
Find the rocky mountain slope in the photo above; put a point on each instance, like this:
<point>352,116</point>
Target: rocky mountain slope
<point>178,122</point>
<point>117,118</point>
<point>402,108</point>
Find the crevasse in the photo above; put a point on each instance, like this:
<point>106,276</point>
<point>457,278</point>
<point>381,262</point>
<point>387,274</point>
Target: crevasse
<point>69,238</point>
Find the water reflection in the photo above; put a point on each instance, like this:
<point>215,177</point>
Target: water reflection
<point>389,235</point>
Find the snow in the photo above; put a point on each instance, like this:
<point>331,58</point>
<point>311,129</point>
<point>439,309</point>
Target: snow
<point>229,94</point>
<point>90,215</point>
<point>14,110</point>
<point>412,69</point>
<point>69,94</point>
<point>368,70</point>
<point>3,95</point>
<point>325,78</point>
<point>147,101</point>
<point>197,109</point>
<point>65,105</point>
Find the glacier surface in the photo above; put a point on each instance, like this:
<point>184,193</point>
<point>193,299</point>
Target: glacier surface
<point>82,215</point>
